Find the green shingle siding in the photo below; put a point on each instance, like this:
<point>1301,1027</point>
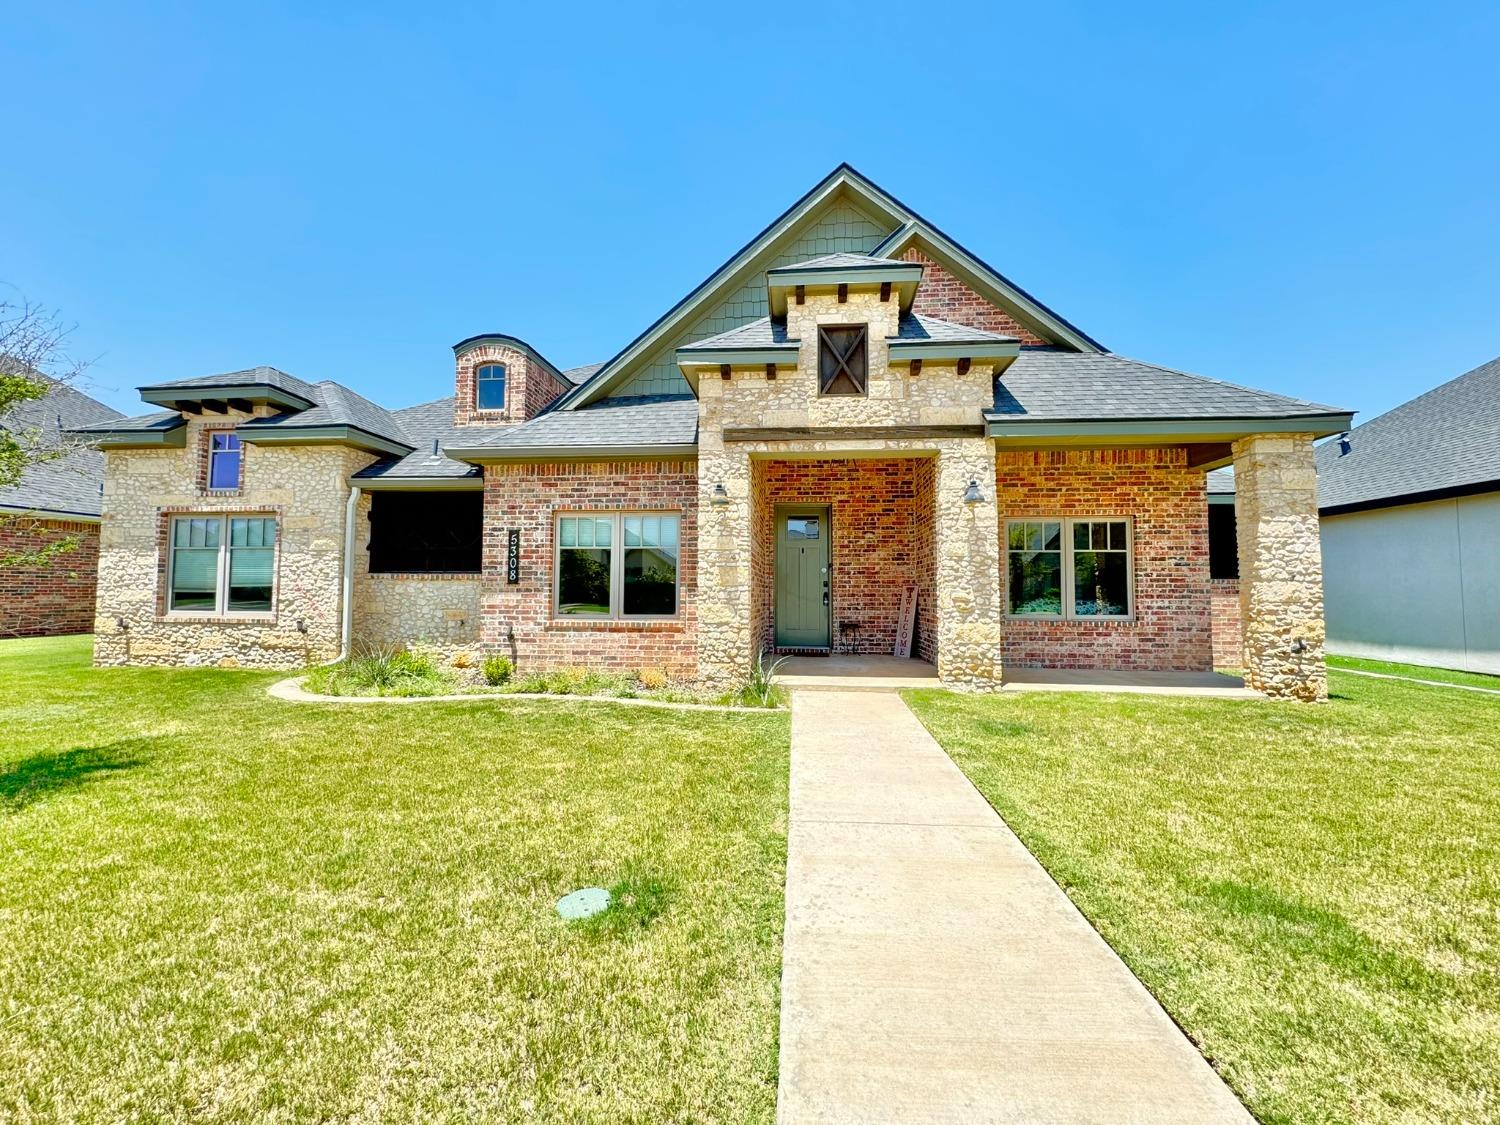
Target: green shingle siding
<point>843,228</point>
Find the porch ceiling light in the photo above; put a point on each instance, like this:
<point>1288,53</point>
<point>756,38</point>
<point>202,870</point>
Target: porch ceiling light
<point>972,495</point>
<point>720,495</point>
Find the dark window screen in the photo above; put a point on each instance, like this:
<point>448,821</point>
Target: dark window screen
<point>426,532</point>
<point>1223,542</point>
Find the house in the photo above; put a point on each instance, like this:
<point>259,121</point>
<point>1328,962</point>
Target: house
<point>49,521</point>
<point>853,410</point>
<point>1410,507</point>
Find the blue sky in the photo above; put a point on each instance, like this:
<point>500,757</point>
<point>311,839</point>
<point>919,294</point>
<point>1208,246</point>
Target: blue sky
<point>1302,197</point>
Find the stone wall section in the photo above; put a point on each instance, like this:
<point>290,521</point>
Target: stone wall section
<point>52,596</point>
<point>944,296</point>
<point>529,386</point>
<point>437,610</point>
<point>1224,601</point>
<point>1164,499</point>
<point>876,546</point>
<point>304,487</point>
<point>1281,566</point>
<point>518,620</point>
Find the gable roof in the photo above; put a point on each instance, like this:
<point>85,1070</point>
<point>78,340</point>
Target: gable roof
<point>842,180</point>
<point>1444,442</point>
<point>67,485</point>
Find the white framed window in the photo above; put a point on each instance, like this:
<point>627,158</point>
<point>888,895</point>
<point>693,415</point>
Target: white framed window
<point>1070,569</point>
<point>617,565</point>
<point>221,564</point>
<point>489,387</point>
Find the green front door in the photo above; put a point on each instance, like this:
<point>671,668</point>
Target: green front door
<point>802,578</point>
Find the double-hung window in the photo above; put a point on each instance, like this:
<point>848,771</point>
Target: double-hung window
<point>617,565</point>
<point>222,564</point>
<point>223,460</point>
<point>1069,568</point>
<point>489,387</point>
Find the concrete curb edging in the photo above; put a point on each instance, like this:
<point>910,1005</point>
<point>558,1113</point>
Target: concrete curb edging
<point>291,691</point>
<point>1414,680</point>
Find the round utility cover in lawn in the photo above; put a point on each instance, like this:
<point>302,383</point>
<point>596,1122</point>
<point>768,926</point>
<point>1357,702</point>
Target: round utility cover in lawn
<point>583,904</point>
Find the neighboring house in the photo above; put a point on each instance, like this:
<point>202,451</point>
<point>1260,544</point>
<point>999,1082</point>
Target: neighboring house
<point>1410,505</point>
<point>853,410</point>
<point>57,501</point>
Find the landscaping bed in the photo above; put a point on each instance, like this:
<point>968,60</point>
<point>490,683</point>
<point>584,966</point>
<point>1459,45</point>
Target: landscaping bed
<point>216,907</point>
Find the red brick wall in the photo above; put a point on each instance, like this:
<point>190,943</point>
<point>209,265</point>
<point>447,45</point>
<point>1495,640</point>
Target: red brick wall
<point>1165,500</point>
<point>529,386</point>
<point>944,296</point>
<point>518,620</point>
<point>52,597</point>
<point>880,544</point>
<point>924,561</point>
<point>1224,598</point>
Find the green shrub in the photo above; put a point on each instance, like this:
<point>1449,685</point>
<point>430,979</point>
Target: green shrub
<point>380,671</point>
<point>761,689</point>
<point>497,670</point>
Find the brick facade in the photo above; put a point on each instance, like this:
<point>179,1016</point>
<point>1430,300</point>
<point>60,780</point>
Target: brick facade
<point>1164,499</point>
<point>880,542</point>
<point>944,296</point>
<point>518,620</point>
<point>529,385</point>
<point>53,596</point>
<point>1224,602</point>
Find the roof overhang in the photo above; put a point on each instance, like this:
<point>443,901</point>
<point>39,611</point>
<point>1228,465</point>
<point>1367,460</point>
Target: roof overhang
<point>987,351</point>
<point>55,514</point>
<point>1212,434</point>
<point>1399,500</point>
<point>902,277</point>
<point>690,359</point>
<point>417,484</point>
<point>320,435</point>
<point>221,398</point>
<point>171,436</point>
<point>486,455</point>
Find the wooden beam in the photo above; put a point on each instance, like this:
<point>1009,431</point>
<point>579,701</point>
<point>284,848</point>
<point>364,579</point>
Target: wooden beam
<point>916,367</point>
<point>771,372</point>
<point>843,292</point>
<point>1206,453</point>
<point>188,407</point>
<point>847,433</point>
<point>801,292</point>
<point>885,291</point>
<point>243,405</point>
<point>964,365</point>
<point>723,371</point>
<point>216,405</point>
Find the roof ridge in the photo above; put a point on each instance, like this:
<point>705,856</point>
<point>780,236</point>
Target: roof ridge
<point>1412,402</point>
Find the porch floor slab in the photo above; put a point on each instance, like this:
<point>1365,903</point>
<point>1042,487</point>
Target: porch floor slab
<point>1208,684</point>
<point>856,673</point>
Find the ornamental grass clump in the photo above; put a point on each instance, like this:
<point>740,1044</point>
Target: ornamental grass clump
<point>380,671</point>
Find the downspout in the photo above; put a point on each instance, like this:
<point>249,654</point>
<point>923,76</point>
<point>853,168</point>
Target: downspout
<point>346,632</point>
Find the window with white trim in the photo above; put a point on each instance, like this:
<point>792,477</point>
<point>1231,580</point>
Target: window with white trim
<point>1069,568</point>
<point>620,565</point>
<point>222,564</point>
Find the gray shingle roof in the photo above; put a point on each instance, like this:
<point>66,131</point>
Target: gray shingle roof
<point>767,332</point>
<point>645,420</point>
<point>336,405</point>
<point>1448,438</point>
<point>580,375</point>
<point>423,424</point>
<point>1052,385</point>
<point>161,420</point>
<point>68,484</point>
<point>263,375</point>
<point>762,333</point>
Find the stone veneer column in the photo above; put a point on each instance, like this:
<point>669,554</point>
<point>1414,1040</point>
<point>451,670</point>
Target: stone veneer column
<point>1281,566</point>
<point>969,609</point>
<point>725,616</point>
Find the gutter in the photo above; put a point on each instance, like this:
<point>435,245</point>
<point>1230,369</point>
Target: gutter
<point>346,626</point>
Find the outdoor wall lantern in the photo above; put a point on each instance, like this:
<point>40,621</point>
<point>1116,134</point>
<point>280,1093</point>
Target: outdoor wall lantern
<point>972,495</point>
<point>720,495</point>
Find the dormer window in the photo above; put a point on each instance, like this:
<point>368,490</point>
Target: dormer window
<point>843,360</point>
<point>489,387</point>
<point>223,461</point>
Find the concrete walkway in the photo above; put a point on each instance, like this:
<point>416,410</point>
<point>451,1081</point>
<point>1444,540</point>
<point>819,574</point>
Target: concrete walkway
<point>932,970</point>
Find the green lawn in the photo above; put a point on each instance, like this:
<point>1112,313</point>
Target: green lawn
<point>1312,891</point>
<point>214,906</point>
<point>1415,671</point>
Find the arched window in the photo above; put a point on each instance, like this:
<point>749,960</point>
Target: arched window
<point>489,387</point>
